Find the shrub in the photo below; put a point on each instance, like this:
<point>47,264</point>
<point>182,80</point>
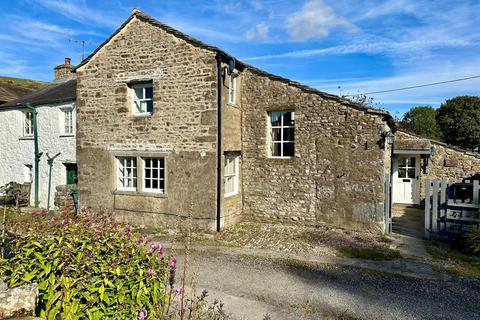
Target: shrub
<point>88,267</point>
<point>473,241</point>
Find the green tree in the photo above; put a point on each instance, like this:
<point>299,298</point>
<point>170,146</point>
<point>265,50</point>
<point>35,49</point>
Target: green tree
<point>421,120</point>
<point>459,121</point>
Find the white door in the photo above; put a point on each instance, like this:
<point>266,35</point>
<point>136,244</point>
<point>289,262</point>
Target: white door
<point>405,178</point>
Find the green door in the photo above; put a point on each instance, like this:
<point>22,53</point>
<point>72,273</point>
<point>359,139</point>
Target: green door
<point>71,173</point>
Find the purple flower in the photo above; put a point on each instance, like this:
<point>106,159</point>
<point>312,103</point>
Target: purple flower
<point>173,263</point>
<point>150,272</point>
<point>158,248</point>
<point>179,291</point>
<point>142,315</point>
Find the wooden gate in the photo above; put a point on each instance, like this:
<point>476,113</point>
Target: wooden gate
<point>451,208</point>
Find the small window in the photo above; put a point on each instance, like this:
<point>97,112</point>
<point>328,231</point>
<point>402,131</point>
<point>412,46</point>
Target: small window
<point>67,121</point>
<point>28,124</point>
<point>127,174</point>
<point>142,98</point>
<point>232,88</point>
<point>282,134</point>
<point>154,175</point>
<point>231,176</point>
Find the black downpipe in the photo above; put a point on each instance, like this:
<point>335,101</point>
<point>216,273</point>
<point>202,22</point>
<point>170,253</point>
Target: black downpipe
<point>219,138</point>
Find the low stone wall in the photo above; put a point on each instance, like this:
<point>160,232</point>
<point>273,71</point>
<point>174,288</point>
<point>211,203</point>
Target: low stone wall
<point>18,302</point>
<point>63,196</point>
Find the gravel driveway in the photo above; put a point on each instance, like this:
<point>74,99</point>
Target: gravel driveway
<point>251,287</point>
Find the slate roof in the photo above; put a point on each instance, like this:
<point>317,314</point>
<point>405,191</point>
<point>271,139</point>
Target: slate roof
<point>54,93</point>
<point>195,42</point>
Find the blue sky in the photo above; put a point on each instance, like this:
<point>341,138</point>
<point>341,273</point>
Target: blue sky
<point>338,46</point>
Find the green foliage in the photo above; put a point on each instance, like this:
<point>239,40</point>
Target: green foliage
<point>473,241</point>
<point>459,121</point>
<point>421,120</point>
<point>87,267</point>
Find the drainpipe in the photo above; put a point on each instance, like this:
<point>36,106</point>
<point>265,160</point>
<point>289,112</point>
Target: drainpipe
<point>50,164</point>
<point>38,154</point>
<point>219,139</point>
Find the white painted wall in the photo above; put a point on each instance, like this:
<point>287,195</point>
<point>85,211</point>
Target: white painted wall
<point>17,151</point>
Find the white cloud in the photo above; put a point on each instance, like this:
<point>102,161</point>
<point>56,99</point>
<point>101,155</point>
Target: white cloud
<point>315,20</point>
<point>258,32</point>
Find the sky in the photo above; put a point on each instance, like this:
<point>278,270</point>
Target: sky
<point>343,47</point>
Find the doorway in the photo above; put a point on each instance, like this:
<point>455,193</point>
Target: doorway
<point>406,185</point>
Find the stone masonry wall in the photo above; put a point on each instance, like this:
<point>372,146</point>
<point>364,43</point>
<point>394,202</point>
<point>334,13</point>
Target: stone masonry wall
<point>337,174</point>
<point>182,127</point>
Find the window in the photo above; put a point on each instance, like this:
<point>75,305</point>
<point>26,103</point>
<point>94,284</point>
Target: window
<point>127,174</point>
<point>232,88</point>
<point>142,98</point>
<point>28,124</point>
<point>282,134</point>
<point>231,176</point>
<point>154,175</point>
<point>406,168</point>
<point>67,121</point>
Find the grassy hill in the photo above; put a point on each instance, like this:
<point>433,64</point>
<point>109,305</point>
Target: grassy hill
<point>13,88</point>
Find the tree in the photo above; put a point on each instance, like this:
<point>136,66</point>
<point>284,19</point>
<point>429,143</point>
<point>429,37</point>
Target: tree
<point>421,120</point>
<point>459,121</point>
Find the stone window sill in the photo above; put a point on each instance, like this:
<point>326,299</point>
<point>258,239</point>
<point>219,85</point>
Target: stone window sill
<point>26,138</point>
<point>140,194</point>
<point>67,136</point>
<point>142,115</point>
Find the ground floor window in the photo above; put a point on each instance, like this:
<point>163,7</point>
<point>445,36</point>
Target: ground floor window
<point>127,173</point>
<point>231,175</point>
<point>154,175</point>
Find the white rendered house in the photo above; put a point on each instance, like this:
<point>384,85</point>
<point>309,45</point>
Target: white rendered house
<point>56,114</point>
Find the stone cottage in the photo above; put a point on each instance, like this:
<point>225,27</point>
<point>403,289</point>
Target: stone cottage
<point>416,159</point>
<point>169,127</point>
<point>55,107</point>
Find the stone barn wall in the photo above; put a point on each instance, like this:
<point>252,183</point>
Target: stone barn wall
<point>337,174</point>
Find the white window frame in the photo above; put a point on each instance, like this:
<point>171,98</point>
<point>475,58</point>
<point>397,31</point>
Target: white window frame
<point>281,141</point>
<point>68,121</point>
<point>134,98</point>
<point>133,176</point>
<point>27,125</point>
<point>231,160</point>
<point>232,88</point>
<point>159,179</point>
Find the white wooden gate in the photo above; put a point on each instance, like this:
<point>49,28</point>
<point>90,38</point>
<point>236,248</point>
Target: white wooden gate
<point>451,208</point>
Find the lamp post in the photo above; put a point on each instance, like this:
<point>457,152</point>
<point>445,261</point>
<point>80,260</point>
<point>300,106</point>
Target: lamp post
<point>50,164</point>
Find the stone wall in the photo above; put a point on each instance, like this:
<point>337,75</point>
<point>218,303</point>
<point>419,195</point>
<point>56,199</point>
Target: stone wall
<point>182,128</point>
<point>17,151</point>
<point>337,174</point>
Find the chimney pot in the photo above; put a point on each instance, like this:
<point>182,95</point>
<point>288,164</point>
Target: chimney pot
<point>68,61</point>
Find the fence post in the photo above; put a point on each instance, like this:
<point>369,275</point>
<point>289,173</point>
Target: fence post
<point>388,218</point>
<point>443,201</point>
<point>435,206</point>
<point>427,208</point>
<point>476,189</point>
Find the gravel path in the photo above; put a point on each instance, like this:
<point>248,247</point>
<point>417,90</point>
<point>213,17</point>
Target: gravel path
<point>251,287</point>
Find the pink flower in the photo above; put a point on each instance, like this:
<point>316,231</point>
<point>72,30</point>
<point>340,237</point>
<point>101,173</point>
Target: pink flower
<point>158,248</point>
<point>179,291</point>
<point>142,315</point>
<point>173,263</point>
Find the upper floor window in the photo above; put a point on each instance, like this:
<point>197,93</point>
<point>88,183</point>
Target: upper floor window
<point>142,98</point>
<point>127,173</point>
<point>67,121</point>
<point>282,134</point>
<point>28,123</point>
<point>231,176</point>
<point>154,175</point>
<point>232,88</point>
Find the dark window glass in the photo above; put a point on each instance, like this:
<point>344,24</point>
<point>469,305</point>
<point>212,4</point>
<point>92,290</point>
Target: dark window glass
<point>276,151</point>
<point>411,173</point>
<point>150,106</point>
<point>287,119</point>
<point>148,92</point>
<point>288,134</point>
<point>402,173</point>
<point>155,184</point>
<point>276,134</point>
<point>275,118</point>
<point>288,149</point>
<point>147,183</point>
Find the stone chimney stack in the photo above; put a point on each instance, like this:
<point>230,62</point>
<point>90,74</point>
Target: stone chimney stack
<point>64,72</point>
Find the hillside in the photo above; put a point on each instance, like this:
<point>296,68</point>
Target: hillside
<point>13,88</point>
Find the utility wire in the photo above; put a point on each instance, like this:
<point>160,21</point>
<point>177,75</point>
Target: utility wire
<point>414,87</point>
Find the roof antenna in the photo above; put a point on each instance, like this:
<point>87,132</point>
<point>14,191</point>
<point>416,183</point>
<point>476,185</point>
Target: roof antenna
<point>83,43</point>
